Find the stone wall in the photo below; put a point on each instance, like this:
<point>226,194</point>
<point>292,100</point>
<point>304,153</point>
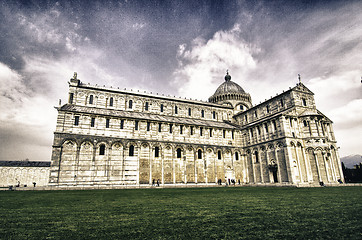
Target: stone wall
<point>24,175</point>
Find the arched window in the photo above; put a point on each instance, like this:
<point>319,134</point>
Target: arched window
<point>175,109</point>
<point>157,152</point>
<point>161,107</point>
<point>199,154</point>
<point>102,149</point>
<point>91,99</point>
<point>236,156</point>
<point>76,120</point>
<point>71,95</point>
<point>202,113</point>
<point>146,106</point>
<point>256,156</point>
<point>178,152</point>
<point>219,154</point>
<point>201,131</point>
<point>189,111</point>
<point>213,115</point>
<point>304,102</point>
<point>111,102</point>
<point>131,150</point>
<point>305,123</point>
<point>130,104</point>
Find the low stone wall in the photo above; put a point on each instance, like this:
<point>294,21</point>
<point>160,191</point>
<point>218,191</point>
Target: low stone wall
<point>13,173</point>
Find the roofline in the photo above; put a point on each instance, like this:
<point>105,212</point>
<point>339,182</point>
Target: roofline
<point>273,98</point>
<point>198,102</point>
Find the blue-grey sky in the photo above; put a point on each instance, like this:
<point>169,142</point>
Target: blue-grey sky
<point>179,48</point>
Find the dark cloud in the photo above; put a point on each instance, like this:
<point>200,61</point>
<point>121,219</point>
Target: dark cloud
<point>136,44</point>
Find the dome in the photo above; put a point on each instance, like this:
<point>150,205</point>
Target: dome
<point>230,93</point>
<point>228,87</point>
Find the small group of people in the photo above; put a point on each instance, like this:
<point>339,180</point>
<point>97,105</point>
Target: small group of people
<point>158,182</point>
<point>228,181</point>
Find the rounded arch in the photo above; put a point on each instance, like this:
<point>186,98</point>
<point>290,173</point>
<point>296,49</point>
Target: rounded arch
<point>190,148</point>
<point>72,140</point>
<point>279,145</point>
<point>102,142</point>
<point>200,153</point>
<point>319,149</point>
<point>310,149</point>
<point>86,140</point>
<point>117,144</point>
<point>210,150</point>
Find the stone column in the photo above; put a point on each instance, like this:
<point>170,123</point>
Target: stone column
<point>334,177</point>
<point>162,171</point>
<point>59,163</point>
<point>287,164</point>
<point>308,168</point>
<point>261,167</point>
<point>108,163</point>
<point>267,161</point>
<point>205,165</point>
<point>246,170</point>
<point>298,162</point>
<point>77,164</point>
<point>317,165</point>
<point>276,158</point>
<point>195,166</point>
<point>173,165</point>
<point>339,164</point>
<point>150,162</point>
<point>93,170</point>
<point>253,166</point>
<point>325,165</point>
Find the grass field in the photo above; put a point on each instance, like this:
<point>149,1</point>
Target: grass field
<point>188,213</point>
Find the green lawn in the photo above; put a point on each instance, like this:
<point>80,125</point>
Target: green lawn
<point>193,213</point>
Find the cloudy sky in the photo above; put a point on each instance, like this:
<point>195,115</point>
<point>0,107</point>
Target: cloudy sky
<point>179,48</point>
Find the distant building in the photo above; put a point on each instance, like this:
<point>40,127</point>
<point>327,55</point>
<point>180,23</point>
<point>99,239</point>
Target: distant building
<point>108,136</point>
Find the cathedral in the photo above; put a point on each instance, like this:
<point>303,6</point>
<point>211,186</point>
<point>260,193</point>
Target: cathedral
<point>112,137</point>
